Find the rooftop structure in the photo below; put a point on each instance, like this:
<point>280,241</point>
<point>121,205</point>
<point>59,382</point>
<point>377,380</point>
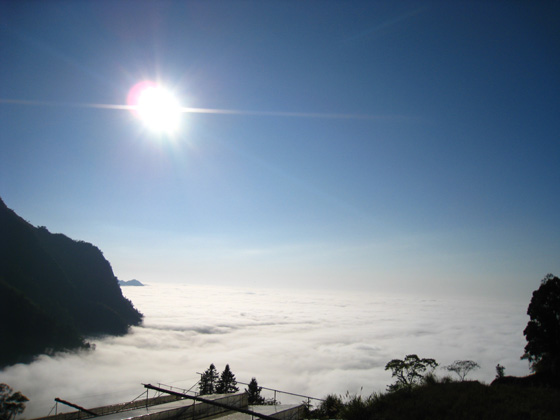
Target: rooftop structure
<point>181,406</point>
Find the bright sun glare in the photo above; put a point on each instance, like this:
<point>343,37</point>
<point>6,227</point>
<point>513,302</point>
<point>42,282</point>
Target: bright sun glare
<point>156,107</point>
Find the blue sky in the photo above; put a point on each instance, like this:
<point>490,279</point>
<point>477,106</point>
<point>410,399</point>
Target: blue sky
<point>445,180</point>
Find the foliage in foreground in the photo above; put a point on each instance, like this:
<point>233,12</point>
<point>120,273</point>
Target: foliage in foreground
<point>543,330</point>
<point>419,394</point>
<point>11,403</point>
<point>445,399</point>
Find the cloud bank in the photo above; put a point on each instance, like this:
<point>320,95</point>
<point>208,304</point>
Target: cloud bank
<point>312,343</point>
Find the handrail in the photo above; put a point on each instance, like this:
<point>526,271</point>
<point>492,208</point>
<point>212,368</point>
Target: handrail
<point>284,392</point>
<point>275,391</point>
<point>129,403</point>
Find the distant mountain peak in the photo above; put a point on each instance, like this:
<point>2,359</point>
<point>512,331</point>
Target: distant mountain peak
<point>132,282</point>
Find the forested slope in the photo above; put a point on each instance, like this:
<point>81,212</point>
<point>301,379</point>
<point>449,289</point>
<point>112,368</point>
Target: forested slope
<point>54,291</point>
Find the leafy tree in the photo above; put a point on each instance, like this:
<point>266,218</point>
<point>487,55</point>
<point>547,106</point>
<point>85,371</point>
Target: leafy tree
<point>11,403</point>
<point>208,381</point>
<point>409,372</point>
<point>543,330</point>
<point>330,407</point>
<point>227,383</point>
<point>462,368</point>
<point>254,393</point>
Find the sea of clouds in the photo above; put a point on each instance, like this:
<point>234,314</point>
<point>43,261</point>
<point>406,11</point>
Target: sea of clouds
<point>312,343</point>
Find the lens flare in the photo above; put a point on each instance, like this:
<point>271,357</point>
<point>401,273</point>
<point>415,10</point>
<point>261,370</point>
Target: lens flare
<point>155,106</point>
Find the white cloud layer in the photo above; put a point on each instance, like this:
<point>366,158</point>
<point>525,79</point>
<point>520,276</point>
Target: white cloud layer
<point>309,343</point>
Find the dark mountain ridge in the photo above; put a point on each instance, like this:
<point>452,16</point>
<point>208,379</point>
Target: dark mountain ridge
<point>54,291</point>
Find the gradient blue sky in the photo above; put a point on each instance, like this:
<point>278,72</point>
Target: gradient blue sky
<point>449,186</point>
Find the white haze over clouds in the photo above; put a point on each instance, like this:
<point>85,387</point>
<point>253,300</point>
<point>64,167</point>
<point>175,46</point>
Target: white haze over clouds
<point>312,343</point>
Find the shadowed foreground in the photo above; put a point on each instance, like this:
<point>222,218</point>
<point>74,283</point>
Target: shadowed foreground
<point>54,291</point>
<point>450,400</point>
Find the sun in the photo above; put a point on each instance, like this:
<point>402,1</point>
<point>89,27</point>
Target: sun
<point>156,107</point>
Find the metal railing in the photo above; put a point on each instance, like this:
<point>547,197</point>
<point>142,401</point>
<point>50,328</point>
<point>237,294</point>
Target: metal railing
<point>276,393</point>
<point>178,389</point>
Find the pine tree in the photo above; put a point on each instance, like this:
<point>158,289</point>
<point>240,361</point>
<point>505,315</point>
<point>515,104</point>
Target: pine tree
<point>208,381</point>
<point>254,393</point>
<point>227,383</point>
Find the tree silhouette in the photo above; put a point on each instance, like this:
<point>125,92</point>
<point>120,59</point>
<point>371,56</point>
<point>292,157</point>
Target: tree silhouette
<point>208,381</point>
<point>543,330</point>
<point>409,372</point>
<point>254,393</point>
<point>462,368</point>
<point>227,383</point>
<point>330,407</point>
<point>500,371</point>
<point>11,403</point>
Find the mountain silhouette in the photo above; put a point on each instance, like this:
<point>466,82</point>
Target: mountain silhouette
<point>54,292</point>
<point>132,282</point>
